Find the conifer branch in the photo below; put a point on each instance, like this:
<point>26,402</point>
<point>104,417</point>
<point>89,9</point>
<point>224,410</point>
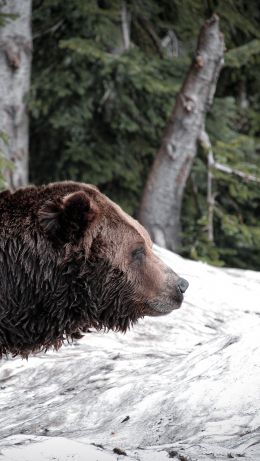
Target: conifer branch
<point>227,169</point>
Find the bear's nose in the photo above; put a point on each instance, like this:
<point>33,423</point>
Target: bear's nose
<point>182,285</point>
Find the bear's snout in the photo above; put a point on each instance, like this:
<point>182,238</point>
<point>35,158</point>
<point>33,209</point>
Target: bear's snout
<point>171,294</point>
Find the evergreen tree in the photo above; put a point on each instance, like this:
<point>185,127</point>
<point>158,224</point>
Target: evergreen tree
<point>97,110</point>
<point>99,107</point>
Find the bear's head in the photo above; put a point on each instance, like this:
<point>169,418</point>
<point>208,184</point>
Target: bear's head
<point>106,256</point>
<point>71,259</point>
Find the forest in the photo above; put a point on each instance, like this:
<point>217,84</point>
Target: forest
<point>105,76</point>
<point>114,345</point>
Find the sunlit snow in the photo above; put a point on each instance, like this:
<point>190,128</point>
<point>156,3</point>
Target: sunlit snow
<point>184,386</point>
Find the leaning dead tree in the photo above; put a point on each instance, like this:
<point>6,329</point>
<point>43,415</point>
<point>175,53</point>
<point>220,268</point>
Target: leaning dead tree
<point>15,69</point>
<point>162,200</point>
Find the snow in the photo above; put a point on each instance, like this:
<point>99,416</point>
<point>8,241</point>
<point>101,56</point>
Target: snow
<point>187,384</point>
<point>57,448</point>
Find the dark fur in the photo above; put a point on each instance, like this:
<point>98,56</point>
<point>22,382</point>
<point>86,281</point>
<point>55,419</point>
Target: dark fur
<point>71,259</point>
<point>50,291</point>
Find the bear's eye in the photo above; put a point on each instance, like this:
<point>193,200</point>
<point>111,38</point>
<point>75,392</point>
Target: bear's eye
<point>138,254</point>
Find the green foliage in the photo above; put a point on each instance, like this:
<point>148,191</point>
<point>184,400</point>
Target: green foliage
<point>4,18</point>
<point>234,129</point>
<point>241,56</point>
<point>237,201</point>
<point>98,111</point>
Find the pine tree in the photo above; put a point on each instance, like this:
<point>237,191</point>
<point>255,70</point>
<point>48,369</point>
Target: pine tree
<point>99,106</point>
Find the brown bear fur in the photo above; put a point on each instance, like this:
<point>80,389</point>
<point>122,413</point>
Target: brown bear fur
<point>71,259</point>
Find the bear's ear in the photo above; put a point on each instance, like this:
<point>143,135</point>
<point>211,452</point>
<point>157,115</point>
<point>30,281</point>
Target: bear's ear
<point>65,219</point>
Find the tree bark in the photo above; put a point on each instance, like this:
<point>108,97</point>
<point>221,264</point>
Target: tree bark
<point>207,147</point>
<point>125,17</point>
<point>162,200</point>
<point>15,70</point>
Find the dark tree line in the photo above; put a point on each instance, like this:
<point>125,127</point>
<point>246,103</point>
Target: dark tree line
<point>105,78</point>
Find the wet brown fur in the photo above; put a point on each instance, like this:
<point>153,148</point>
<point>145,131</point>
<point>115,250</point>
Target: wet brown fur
<point>67,264</point>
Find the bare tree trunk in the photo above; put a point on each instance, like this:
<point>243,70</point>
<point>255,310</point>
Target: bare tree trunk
<point>15,69</point>
<point>161,204</point>
<point>207,147</point>
<point>125,17</point>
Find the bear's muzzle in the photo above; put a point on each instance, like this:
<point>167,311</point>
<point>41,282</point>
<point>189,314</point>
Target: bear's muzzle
<point>171,296</point>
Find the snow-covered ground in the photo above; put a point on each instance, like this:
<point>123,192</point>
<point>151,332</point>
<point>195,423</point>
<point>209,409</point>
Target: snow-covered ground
<point>185,386</point>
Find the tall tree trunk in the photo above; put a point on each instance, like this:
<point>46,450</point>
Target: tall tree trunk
<point>162,200</point>
<point>15,69</point>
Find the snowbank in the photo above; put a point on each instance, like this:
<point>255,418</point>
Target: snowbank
<point>187,384</point>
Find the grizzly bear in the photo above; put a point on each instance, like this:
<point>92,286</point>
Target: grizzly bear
<point>72,259</point>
